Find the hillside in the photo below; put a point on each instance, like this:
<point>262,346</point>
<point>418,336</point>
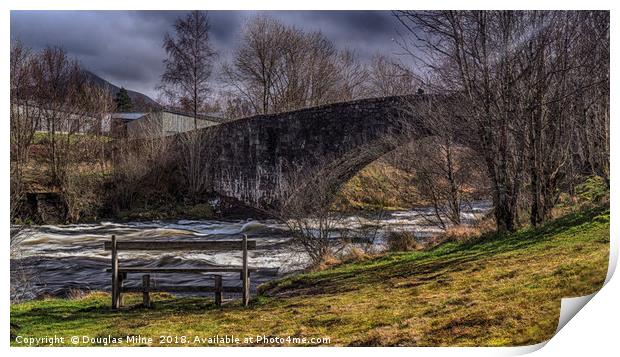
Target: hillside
<point>498,291</point>
<point>141,102</point>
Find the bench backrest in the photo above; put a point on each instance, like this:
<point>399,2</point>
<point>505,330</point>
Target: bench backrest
<point>217,245</point>
<point>117,279</point>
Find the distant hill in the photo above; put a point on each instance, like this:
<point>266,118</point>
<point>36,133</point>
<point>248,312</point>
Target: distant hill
<point>141,102</point>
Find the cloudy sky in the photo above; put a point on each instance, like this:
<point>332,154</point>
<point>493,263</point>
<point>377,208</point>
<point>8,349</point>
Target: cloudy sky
<point>125,47</point>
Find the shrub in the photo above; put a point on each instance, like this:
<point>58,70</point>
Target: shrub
<point>327,261</point>
<point>354,254</point>
<point>593,190</point>
<point>349,254</point>
<point>458,234</point>
<point>401,241</point>
<point>82,194</point>
<point>201,210</point>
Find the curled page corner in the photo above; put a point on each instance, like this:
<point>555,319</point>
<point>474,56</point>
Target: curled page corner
<point>570,306</point>
<point>523,350</point>
<point>568,309</point>
<point>613,257</point>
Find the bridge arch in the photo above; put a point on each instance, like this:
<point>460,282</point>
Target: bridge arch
<point>251,159</point>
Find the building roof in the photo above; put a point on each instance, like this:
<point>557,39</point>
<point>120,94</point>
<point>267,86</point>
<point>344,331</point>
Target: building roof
<point>215,117</point>
<point>205,116</point>
<point>128,116</point>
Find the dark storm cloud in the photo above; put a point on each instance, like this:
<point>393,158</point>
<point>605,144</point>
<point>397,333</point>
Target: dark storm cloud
<point>125,47</point>
<point>367,32</point>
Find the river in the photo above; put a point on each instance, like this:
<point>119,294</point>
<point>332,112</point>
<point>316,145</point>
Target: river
<point>58,260</point>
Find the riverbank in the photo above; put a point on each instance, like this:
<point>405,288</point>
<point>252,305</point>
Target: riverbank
<point>379,186</point>
<point>497,291</point>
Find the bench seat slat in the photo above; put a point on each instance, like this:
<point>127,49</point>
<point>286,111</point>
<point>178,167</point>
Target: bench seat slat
<point>180,245</point>
<point>182,289</point>
<point>180,270</point>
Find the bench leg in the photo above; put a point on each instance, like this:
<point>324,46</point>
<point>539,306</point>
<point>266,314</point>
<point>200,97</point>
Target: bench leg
<point>245,288</point>
<point>146,283</point>
<point>246,294</point>
<point>245,274</point>
<point>119,292</point>
<point>114,292</point>
<point>114,263</point>
<point>218,290</point>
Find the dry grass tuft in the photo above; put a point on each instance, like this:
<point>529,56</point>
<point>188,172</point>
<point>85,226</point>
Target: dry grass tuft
<point>459,234</point>
<point>486,224</point>
<point>77,294</point>
<point>463,233</point>
<point>355,254</point>
<point>351,254</point>
<point>327,262</point>
<point>402,242</point>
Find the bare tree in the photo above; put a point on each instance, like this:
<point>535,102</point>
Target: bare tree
<point>253,71</point>
<point>353,75</point>
<point>236,107</point>
<point>388,77</point>
<point>82,186</point>
<point>50,94</point>
<point>22,277</point>
<point>446,173</point>
<point>470,45</point>
<point>194,161</point>
<point>370,226</point>
<point>24,118</point>
<point>144,166</point>
<point>277,68</point>
<point>590,104</point>
<point>306,208</point>
<point>129,171</point>
<point>515,74</point>
<point>57,82</point>
<point>189,63</point>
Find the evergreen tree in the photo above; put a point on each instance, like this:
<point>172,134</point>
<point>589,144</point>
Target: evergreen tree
<point>123,101</point>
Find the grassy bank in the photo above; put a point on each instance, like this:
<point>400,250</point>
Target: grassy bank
<point>379,186</point>
<point>501,290</point>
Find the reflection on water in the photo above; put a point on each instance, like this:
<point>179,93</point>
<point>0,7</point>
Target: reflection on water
<point>61,258</point>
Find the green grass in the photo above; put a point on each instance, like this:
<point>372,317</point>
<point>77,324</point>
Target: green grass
<point>500,290</point>
<point>378,186</point>
<point>43,137</point>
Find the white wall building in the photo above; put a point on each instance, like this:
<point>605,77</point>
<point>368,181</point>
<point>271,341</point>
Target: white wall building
<point>159,123</point>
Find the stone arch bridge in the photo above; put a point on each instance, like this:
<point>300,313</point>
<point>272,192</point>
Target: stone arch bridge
<point>255,159</point>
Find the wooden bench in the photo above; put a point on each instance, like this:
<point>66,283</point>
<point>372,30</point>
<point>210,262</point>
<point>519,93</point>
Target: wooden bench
<point>119,273</point>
